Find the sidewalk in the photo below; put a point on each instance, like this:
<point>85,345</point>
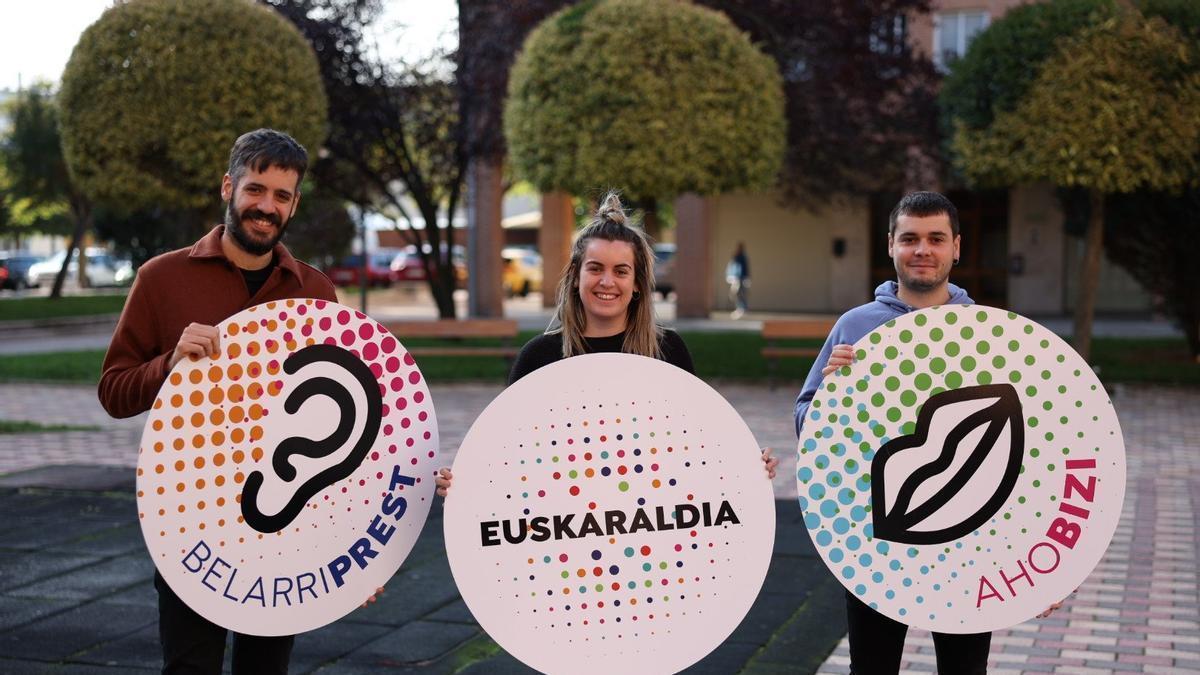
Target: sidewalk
<point>75,589</point>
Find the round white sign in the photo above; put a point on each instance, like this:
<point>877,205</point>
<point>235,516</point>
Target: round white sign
<point>609,513</point>
<point>965,472</point>
<point>285,479</point>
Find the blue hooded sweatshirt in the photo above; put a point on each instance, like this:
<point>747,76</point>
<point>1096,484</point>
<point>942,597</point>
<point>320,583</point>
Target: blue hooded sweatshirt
<point>853,326</point>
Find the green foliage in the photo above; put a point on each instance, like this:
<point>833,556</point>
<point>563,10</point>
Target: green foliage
<point>1003,61</point>
<point>655,97</point>
<point>1115,110</point>
<point>321,231</point>
<point>1182,14</point>
<point>34,184</point>
<point>32,150</point>
<point>156,91</point>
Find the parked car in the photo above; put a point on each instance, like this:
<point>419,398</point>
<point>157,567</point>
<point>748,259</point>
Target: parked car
<point>349,271</point>
<point>522,271</point>
<point>664,268</point>
<point>14,269</point>
<point>102,268</point>
<point>407,266</point>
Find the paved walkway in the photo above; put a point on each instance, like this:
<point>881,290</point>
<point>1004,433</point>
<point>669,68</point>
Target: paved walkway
<point>74,587</point>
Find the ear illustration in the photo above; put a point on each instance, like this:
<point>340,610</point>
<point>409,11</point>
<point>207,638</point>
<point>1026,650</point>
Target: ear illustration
<point>950,476</point>
<point>281,460</point>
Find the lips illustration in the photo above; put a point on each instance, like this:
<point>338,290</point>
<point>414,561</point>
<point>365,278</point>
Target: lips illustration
<point>297,445</point>
<point>954,472</point>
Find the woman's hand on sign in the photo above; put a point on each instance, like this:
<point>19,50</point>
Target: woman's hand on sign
<point>770,461</point>
<point>1051,608</point>
<point>842,355</point>
<point>374,596</point>
<point>443,481</point>
<point>197,340</point>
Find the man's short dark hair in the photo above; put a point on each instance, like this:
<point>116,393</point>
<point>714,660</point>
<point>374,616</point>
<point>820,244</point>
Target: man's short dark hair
<point>921,205</point>
<point>262,149</point>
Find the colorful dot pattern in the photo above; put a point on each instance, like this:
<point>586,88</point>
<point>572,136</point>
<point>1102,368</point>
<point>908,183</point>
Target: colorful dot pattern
<point>598,433</point>
<point>897,368</point>
<point>218,419</point>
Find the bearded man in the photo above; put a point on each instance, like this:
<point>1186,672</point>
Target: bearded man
<point>172,313</point>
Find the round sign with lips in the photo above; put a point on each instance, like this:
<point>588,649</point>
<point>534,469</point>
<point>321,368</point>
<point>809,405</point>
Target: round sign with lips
<point>283,480</point>
<point>609,513</point>
<point>965,472</point>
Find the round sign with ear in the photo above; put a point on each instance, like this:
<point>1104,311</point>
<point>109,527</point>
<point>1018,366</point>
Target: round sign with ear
<point>283,480</point>
<point>965,472</point>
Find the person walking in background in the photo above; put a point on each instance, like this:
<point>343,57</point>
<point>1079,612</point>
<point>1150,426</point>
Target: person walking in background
<point>737,274</point>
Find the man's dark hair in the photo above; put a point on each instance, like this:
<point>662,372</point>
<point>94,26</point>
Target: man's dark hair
<point>262,149</point>
<point>922,204</point>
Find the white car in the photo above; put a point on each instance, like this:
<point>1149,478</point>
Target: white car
<point>102,269</point>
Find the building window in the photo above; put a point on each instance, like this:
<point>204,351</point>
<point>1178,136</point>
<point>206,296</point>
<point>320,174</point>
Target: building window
<point>952,34</point>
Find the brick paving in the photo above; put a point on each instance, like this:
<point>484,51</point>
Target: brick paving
<point>766,412</point>
<point>1139,611</point>
<point>75,592</point>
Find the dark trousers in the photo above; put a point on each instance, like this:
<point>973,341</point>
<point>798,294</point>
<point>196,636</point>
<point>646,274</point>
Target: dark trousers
<point>193,644</point>
<point>877,644</point>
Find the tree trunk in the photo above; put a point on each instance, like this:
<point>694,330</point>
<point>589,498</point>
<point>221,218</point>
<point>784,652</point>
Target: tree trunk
<point>1089,277</point>
<point>442,288</point>
<point>1191,331</point>
<point>83,222</point>
<point>83,261</point>
<point>650,222</point>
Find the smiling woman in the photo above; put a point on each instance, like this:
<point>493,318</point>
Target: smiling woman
<point>604,299</point>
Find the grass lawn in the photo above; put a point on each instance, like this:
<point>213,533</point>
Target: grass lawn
<point>23,427</point>
<point>81,367</point>
<point>72,305</point>
<point>730,356</point>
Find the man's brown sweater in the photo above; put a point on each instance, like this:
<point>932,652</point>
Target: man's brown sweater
<point>197,284</point>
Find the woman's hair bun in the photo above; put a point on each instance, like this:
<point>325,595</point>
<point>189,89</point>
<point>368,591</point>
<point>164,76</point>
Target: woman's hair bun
<point>612,210</point>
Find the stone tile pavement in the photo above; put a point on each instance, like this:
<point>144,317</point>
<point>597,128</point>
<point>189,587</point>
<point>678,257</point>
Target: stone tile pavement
<point>767,413</point>
<point>75,591</point>
<point>83,592</point>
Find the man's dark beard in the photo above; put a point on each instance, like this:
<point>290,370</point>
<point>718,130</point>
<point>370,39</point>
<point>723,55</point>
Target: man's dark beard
<point>913,284</point>
<point>233,224</point>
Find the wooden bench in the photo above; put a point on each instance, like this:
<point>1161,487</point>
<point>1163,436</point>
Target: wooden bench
<point>451,330</point>
<point>791,329</point>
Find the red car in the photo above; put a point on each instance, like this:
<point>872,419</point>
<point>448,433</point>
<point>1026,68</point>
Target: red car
<point>407,266</point>
<point>349,271</point>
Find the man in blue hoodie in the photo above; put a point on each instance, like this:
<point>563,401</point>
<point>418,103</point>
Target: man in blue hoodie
<point>923,242</point>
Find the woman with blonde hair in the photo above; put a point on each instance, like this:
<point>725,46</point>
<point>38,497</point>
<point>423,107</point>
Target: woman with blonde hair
<point>605,304</point>
<point>605,299</point>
